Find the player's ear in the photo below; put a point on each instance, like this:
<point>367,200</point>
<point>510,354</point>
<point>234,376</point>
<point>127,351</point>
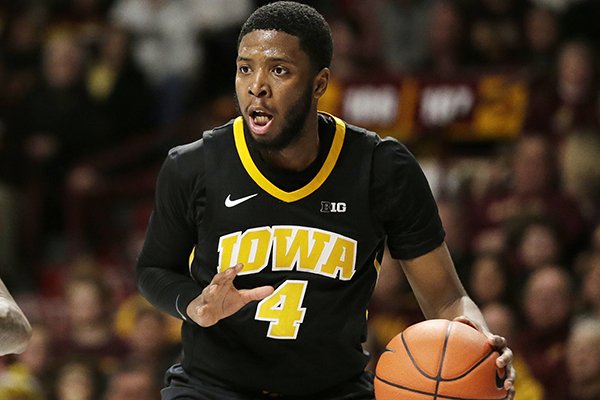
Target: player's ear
<point>320,82</point>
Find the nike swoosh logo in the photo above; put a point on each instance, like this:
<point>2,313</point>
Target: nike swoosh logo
<point>232,203</point>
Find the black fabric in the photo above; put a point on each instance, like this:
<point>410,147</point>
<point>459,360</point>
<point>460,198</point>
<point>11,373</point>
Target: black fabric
<point>180,385</point>
<point>387,196</point>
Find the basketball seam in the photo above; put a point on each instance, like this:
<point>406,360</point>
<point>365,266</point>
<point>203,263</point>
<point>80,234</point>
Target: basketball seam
<point>444,348</point>
<point>425,374</point>
<point>441,396</point>
<point>412,359</point>
<point>438,378</point>
<point>477,364</point>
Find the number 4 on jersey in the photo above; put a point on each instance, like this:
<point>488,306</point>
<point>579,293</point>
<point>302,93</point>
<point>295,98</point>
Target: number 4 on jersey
<point>283,309</point>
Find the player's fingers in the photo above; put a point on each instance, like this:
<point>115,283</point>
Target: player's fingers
<point>498,342</point>
<point>258,293</point>
<point>228,275</point>
<point>505,357</point>
<point>509,382</point>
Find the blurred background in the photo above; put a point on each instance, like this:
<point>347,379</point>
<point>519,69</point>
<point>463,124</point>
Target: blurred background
<point>498,100</point>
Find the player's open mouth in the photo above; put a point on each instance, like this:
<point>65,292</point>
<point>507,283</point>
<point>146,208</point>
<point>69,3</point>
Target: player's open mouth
<point>259,121</point>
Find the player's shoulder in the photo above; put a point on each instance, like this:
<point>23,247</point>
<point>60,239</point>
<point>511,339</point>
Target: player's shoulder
<point>195,149</point>
<point>360,133</point>
<point>189,158</point>
<point>385,147</point>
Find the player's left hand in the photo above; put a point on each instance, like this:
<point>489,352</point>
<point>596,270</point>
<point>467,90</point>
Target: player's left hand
<point>504,361</point>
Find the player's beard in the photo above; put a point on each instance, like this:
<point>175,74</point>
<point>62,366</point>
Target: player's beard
<point>292,128</point>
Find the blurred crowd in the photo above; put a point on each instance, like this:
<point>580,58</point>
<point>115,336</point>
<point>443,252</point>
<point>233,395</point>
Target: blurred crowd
<point>94,92</point>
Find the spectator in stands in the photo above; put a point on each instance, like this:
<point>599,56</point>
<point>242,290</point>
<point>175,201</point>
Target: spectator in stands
<point>61,125</point>
<point>542,33</point>
<point>85,19</point>
<point>166,44</point>
<point>547,309</point>
<point>20,57</point>
<point>488,280</point>
<point>532,190</point>
<point>580,171</point>
<point>150,344</point>
<point>495,32</point>
<point>595,242</point>
<point>16,383</point>
<point>536,244</point>
<point>118,88</point>
<point>137,383</point>
<point>403,33</point>
<point>90,334</point>
<point>78,379</point>
<point>583,360</point>
<point>347,62</point>
<point>503,320</point>
<point>590,284</point>
<point>446,53</point>
<point>566,101</point>
<point>36,359</point>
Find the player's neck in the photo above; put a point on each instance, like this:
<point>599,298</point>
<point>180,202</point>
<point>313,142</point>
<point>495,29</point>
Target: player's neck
<point>299,154</point>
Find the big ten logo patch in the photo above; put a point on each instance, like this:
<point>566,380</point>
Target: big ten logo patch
<point>333,207</point>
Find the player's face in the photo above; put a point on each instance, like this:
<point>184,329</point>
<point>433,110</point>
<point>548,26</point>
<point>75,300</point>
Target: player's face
<point>274,87</point>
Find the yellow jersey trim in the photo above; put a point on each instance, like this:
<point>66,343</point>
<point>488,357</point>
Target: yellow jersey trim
<point>268,186</point>
<point>191,259</point>
<point>377,266</point>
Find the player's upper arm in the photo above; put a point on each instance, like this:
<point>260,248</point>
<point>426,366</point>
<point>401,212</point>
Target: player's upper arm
<point>178,207</point>
<point>403,202</point>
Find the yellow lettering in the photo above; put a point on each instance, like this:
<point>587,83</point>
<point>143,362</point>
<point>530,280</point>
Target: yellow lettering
<point>283,310</point>
<point>341,259</point>
<point>255,247</point>
<point>228,245</point>
<point>292,248</point>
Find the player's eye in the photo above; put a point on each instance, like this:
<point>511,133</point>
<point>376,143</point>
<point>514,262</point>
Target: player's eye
<point>243,69</point>
<point>279,71</point>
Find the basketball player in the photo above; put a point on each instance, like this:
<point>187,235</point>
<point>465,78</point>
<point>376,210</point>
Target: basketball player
<point>15,330</point>
<point>286,212</point>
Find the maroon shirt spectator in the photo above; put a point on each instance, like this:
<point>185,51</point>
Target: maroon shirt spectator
<point>547,306</point>
<point>566,102</point>
<point>532,191</point>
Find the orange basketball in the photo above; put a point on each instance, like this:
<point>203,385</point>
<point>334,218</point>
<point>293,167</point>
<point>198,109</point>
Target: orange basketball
<point>439,359</point>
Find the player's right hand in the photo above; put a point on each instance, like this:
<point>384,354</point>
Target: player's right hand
<point>220,298</point>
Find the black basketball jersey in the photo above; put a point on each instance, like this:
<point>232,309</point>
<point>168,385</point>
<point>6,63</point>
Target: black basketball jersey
<point>318,246</point>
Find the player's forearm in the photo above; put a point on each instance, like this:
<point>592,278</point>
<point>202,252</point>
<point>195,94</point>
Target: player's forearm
<point>463,306</point>
<point>169,291</point>
<point>15,330</point>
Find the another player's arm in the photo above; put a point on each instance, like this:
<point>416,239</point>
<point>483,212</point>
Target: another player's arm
<point>440,294</point>
<point>15,330</point>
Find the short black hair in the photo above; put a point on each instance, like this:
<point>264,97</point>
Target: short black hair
<point>299,20</point>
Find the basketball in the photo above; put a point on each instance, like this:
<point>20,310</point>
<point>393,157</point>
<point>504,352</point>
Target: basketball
<point>439,359</point>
